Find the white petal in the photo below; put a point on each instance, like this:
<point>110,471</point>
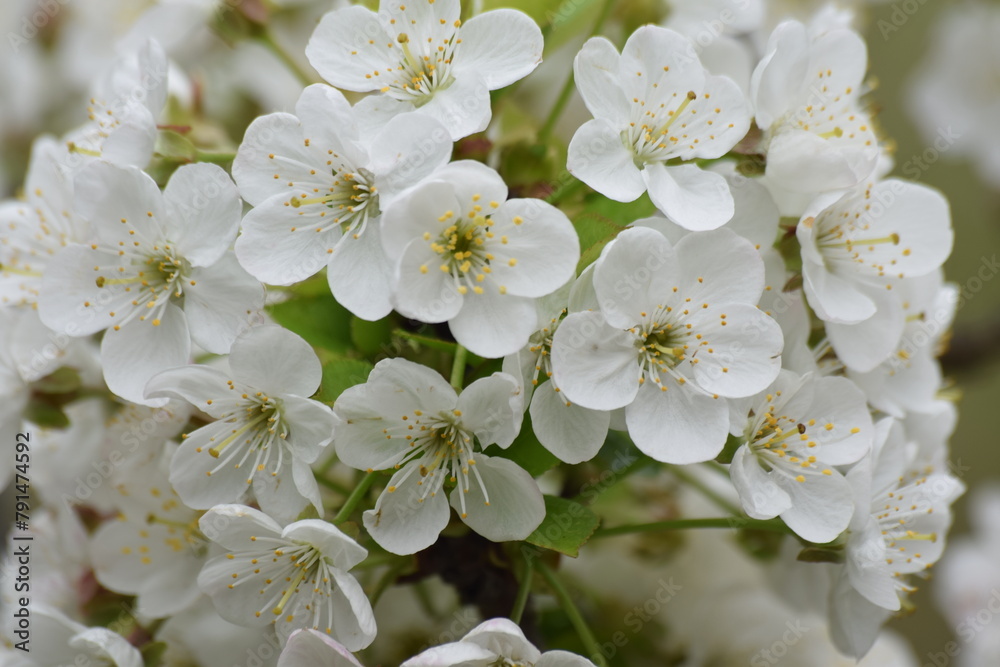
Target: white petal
<point>542,243</point>
<point>571,432</point>
<point>202,386</point>
<point>865,345</point>
<point>777,81</point>
<point>503,637</point>
<point>348,46</point>
<point>720,267</point>
<point>593,363</point>
<point>598,158</point>
<point>760,496</point>
<point>405,520</point>
<point>311,426</point>
<point>463,107</point>
<point>280,247</point>
<point>855,622</point>
<point>106,194</point>
<point>360,274</point>
<point>223,301</point>
<point>500,62</point>
<point>455,653</point>
<point>205,211</point>
<point>678,425</point>
<point>494,325</point>
<point>822,506</point>
<point>596,73</point>
<point>693,198</point>
<point>232,526</point>
<point>418,212</point>
<point>308,648</point>
<point>407,149</point>
<point>562,659</point>
<point>276,361</point>
<point>635,275</point>
<point>834,299</point>
<point>343,552</point>
<point>505,506</point>
<point>746,349</point>
<point>492,408</point>
<point>192,463</point>
<point>280,135</point>
<point>139,350</point>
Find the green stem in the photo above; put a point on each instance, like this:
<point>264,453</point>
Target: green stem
<point>289,62</point>
<point>458,367</point>
<point>686,524</point>
<point>388,579</point>
<point>573,613</point>
<point>523,590</point>
<point>567,89</point>
<point>353,500</point>
<point>332,485</point>
<point>703,488</point>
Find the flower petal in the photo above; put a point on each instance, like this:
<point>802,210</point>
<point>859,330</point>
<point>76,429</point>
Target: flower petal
<point>221,301</point>
<point>276,361</point>
<point>503,502</point>
<point>500,62</point>
<point>348,46</point>
<point>598,158</point>
<point>407,518</point>
<point>593,363</point>
<point>679,425</point>
<point>205,211</point>
<point>571,432</point>
<point>690,196</point>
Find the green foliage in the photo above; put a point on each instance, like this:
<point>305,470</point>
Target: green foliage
<point>602,220</point>
<point>567,526</point>
<point>341,374</point>
<point>319,319</point>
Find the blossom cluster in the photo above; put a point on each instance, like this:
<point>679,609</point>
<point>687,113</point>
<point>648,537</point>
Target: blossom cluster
<point>371,344</point>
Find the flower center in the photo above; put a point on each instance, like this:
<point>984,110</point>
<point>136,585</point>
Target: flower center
<point>652,135</point>
<point>439,450</point>
<point>352,199</point>
<point>258,429</point>
<point>153,279</point>
<point>423,69</point>
<point>462,247</point>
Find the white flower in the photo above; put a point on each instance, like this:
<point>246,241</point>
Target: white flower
<point>910,378</point>
<point>318,181</point>
<point>655,103</point>
<point>466,255</point>
<point>309,648</point>
<point>898,529</point>
<point>152,549</point>
<point>159,274</point>
<point>855,248</point>
<point>420,56</point>
<point>677,330</point>
<point>294,577</point>
<point>59,640</point>
<point>36,228</point>
<point>571,432</point>
<point>495,642</point>
<point>406,417</point>
<point>805,93</point>
<point>266,432</point>
<point>123,110</point>
<point>795,432</point>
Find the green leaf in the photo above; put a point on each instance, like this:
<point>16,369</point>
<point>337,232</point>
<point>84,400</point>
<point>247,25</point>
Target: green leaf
<point>567,526</point>
<point>371,338</point>
<point>152,654</point>
<point>340,375</point>
<point>602,220</point>
<point>170,144</point>
<point>64,380</point>
<point>527,451</point>
<point>729,451</point>
<point>320,320</point>
<point>45,415</point>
